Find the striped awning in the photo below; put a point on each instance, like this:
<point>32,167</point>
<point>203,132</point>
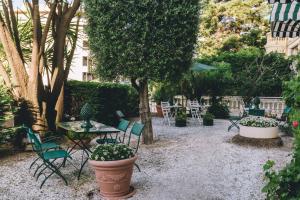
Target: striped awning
<point>285,18</point>
<point>281,1</point>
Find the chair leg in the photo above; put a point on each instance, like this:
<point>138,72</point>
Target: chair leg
<point>137,166</point>
<point>38,168</point>
<point>41,172</point>
<point>55,170</point>
<point>33,163</point>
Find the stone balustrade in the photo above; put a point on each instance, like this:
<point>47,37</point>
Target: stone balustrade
<point>272,105</point>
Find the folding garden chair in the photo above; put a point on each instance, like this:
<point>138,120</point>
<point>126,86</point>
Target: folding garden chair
<point>46,145</point>
<point>136,131</point>
<point>235,119</point>
<point>122,126</point>
<point>166,110</point>
<point>48,158</point>
<point>195,107</point>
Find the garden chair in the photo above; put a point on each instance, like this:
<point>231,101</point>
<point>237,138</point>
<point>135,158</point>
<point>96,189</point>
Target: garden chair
<point>195,110</point>
<point>120,114</point>
<point>46,145</point>
<point>122,126</point>
<point>167,114</point>
<point>48,158</point>
<point>235,119</point>
<point>135,132</point>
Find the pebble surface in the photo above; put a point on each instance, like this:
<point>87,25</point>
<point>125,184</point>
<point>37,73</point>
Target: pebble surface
<point>193,162</point>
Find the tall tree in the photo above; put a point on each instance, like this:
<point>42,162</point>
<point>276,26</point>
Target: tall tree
<point>25,76</point>
<point>142,40</point>
<point>228,21</point>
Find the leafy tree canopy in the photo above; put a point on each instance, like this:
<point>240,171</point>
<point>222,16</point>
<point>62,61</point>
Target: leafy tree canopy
<point>142,38</point>
<point>235,23</point>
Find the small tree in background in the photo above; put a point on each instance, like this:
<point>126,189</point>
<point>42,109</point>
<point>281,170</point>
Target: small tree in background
<point>142,40</point>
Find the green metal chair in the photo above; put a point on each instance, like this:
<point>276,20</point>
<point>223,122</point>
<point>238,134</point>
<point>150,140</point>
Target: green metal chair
<point>136,131</point>
<point>122,126</point>
<point>48,158</point>
<point>235,119</point>
<point>46,145</point>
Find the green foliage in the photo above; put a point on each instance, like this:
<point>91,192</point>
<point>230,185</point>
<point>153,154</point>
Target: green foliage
<point>105,98</point>
<point>219,110</point>
<point>254,73</point>
<point>180,117</point>
<point>152,40</point>
<point>111,152</point>
<point>291,92</point>
<point>285,183</point>
<point>13,136</point>
<point>232,25</point>
<point>208,119</point>
<point>164,91</point>
<point>6,101</point>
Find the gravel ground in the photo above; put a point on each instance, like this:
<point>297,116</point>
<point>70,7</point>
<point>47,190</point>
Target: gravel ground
<point>194,162</point>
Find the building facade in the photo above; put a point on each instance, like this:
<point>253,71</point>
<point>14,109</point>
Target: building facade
<point>82,65</point>
<point>286,46</point>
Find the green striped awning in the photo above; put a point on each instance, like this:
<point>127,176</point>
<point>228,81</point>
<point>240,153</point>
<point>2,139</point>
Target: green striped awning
<point>281,1</point>
<point>285,18</point>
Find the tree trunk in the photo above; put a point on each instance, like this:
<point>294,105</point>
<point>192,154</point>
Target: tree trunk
<point>60,106</point>
<point>145,113</point>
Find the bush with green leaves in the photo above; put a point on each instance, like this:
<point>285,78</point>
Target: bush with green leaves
<point>105,98</point>
<point>218,109</point>
<point>284,184</point>
<point>180,117</point>
<point>111,152</point>
<point>6,101</point>
<point>208,119</point>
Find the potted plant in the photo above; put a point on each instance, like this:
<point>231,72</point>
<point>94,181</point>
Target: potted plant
<point>113,165</point>
<point>259,127</point>
<point>208,119</point>
<point>180,117</point>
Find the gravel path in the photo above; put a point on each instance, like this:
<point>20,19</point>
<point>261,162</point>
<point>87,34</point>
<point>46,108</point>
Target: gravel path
<point>194,162</point>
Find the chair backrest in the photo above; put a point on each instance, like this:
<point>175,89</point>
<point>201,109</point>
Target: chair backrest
<point>120,114</point>
<point>137,130</point>
<point>36,143</point>
<point>164,104</point>
<point>123,125</point>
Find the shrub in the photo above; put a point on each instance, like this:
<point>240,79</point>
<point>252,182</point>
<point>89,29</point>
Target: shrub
<point>263,122</point>
<point>5,104</point>
<point>285,183</point>
<point>219,110</point>
<point>208,119</point>
<point>111,152</point>
<point>180,117</point>
<point>105,98</point>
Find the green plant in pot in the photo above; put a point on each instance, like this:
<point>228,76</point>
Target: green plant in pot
<point>256,102</point>
<point>208,119</point>
<point>180,117</point>
<point>113,166</point>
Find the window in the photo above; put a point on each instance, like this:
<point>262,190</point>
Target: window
<point>86,76</point>
<point>85,44</point>
<point>84,61</point>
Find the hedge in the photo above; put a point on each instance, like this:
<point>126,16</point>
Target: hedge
<point>105,98</point>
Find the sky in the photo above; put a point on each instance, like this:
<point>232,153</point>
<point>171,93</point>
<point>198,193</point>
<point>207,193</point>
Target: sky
<point>18,3</point>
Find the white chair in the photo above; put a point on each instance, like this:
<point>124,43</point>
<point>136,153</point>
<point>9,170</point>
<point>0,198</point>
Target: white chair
<point>195,109</point>
<point>167,114</point>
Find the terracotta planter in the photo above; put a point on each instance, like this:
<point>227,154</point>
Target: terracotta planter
<point>159,111</point>
<point>114,177</point>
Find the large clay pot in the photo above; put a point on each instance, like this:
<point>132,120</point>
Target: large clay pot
<point>114,177</point>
